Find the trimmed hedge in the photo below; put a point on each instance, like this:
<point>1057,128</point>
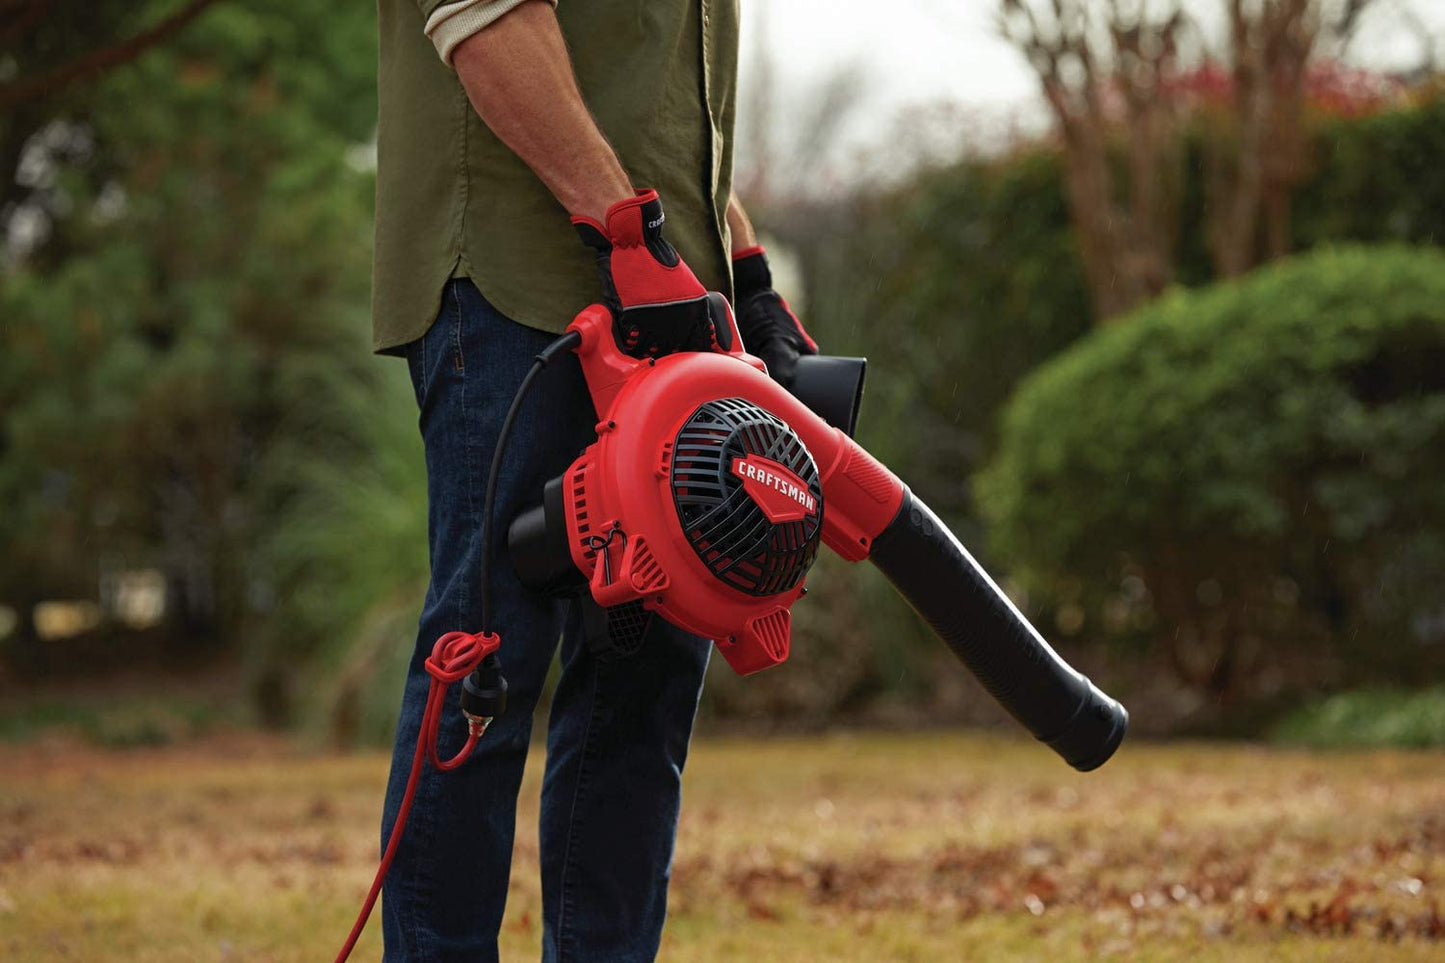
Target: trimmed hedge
<point>1243,471</point>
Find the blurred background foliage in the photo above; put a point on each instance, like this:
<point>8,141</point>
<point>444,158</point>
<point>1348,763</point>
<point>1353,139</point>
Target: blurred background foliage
<point>185,376</point>
<point>1212,481</point>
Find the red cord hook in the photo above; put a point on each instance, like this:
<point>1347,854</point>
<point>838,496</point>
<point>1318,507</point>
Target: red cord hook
<point>452,659</point>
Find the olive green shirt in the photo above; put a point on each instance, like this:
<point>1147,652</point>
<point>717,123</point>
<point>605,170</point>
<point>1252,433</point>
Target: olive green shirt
<point>453,201</point>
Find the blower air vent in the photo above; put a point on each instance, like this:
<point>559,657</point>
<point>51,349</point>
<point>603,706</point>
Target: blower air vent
<point>626,626</point>
<point>579,501</point>
<point>647,575</point>
<point>747,493</point>
<point>773,632</point>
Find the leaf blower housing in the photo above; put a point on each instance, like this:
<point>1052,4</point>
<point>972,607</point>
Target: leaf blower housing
<point>707,494</point>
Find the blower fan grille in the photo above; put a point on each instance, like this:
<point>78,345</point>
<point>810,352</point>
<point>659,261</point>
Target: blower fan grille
<point>754,526</point>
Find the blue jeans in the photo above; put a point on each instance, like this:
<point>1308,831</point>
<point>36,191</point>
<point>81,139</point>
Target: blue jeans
<point>618,731</point>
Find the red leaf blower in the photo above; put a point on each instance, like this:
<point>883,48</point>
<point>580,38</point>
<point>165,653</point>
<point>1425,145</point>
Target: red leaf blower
<point>703,502</point>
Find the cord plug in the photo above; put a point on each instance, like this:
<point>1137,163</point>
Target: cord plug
<point>484,693</point>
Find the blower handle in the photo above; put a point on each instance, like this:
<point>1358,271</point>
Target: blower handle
<point>991,637</point>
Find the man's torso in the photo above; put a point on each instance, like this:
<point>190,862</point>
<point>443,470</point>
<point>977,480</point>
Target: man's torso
<point>452,200</point>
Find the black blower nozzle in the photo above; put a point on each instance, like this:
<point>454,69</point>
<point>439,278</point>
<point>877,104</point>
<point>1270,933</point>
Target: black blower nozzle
<point>832,387</point>
<point>991,637</point>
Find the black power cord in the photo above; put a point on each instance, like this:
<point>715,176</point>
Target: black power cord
<point>484,693</point>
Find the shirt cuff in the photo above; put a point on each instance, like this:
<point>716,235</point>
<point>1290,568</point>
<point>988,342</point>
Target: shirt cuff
<point>451,23</point>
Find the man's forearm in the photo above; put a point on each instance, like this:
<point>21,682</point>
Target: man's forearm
<point>743,235</point>
<point>519,78</point>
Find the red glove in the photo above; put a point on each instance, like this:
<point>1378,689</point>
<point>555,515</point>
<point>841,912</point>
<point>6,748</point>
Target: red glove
<point>658,305</point>
<point>769,327</point>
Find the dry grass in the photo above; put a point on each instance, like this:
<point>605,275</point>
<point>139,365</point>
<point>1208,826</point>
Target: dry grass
<point>885,847</point>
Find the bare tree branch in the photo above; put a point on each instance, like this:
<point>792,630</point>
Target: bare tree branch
<point>1103,68</point>
<point>100,61</point>
<point>1255,168</point>
<point>1106,69</point>
<point>28,15</point>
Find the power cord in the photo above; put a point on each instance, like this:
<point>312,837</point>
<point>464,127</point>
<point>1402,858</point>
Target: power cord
<point>461,655</point>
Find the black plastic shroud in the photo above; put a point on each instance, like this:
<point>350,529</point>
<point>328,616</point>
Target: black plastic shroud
<point>538,546</point>
<point>955,596</point>
<point>729,532</point>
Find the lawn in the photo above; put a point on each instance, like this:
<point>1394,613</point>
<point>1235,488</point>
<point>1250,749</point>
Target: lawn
<point>835,848</point>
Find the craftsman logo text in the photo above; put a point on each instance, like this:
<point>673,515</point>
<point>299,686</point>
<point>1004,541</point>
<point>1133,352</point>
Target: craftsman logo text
<point>782,495</point>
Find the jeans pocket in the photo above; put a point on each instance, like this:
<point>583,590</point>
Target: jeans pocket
<point>416,368</point>
<point>455,291</point>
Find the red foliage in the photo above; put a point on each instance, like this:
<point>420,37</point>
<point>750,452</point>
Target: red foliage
<point>1331,88</point>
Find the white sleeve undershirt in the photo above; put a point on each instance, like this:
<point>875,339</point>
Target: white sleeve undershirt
<point>451,23</point>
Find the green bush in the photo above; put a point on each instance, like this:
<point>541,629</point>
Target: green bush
<point>1246,475</point>
<point>1368,718</point>
<point>1376,178</point>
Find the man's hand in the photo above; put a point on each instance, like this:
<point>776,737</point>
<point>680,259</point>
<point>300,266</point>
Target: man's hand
<point>658,305</point>
<point>769,327</point>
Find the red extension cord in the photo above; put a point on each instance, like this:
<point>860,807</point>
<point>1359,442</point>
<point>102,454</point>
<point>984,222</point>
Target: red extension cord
<point>452,659</point>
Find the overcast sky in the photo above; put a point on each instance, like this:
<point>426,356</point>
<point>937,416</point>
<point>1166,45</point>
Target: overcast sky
<point>909,54</point>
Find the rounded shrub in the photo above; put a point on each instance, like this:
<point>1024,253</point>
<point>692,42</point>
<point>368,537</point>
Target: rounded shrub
<point>1248,475</point>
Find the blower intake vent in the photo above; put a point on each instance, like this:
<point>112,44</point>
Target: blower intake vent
<point>747,493</point>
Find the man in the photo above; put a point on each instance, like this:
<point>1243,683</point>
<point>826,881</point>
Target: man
<point>488,148</point>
